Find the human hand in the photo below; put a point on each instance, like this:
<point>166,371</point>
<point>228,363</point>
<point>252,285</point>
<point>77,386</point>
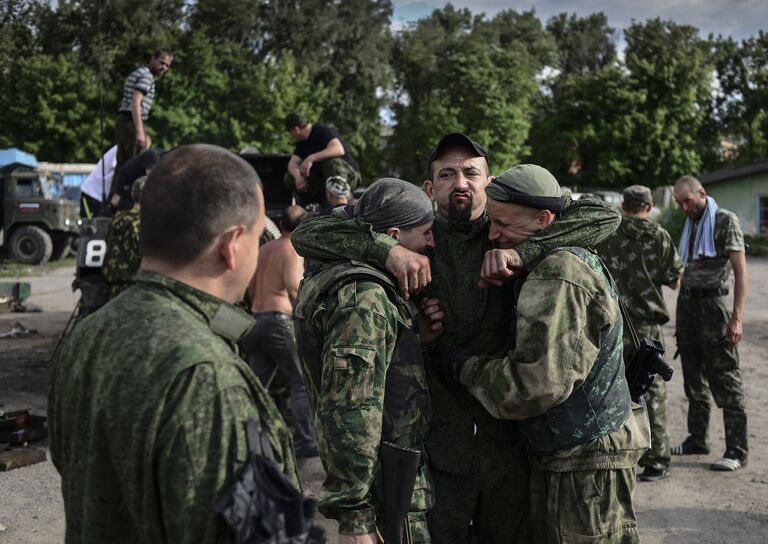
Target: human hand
<point>370,538</point>
<point>115,200</point>
<point>410,268</point>
<point>734,332</point>
<point>301,184</point>
<point>430,320</point>
<point>500,266</point>
<point>452,363</point>
<point>141,141</point>
<point>305,167</point>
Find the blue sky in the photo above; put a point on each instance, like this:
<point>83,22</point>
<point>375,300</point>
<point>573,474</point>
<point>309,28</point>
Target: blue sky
<point>736,18</point>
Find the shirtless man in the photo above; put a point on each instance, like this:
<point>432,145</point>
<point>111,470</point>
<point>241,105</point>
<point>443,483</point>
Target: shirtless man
<point>271,344</point>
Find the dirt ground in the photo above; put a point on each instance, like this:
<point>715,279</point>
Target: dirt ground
<point>693,506</point>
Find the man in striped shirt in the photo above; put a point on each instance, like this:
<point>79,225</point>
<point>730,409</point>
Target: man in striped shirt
<point>138,95</point>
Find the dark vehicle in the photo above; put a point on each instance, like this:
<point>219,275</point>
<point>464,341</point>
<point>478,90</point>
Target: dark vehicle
<point>35,226</point>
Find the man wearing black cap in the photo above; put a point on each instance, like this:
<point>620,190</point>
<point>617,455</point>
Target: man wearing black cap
<point>319,154</point>
<point>562,377</point>
<point>479,464</point>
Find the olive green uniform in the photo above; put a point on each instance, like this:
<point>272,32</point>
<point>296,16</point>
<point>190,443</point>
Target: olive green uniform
<point>641,258</point>
<point>123,256</point>
<point>563,380</point>
<point>370,387</point>
<point>146,427</point>
<point>479,466</point>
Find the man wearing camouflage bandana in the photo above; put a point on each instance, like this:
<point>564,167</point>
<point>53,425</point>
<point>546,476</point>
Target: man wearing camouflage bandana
<point>641,258</point>
<point>360,346</point>
<point>563,379</point>
<point>123,256</point>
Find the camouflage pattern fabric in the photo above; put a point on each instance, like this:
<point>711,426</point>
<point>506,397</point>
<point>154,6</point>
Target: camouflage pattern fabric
<point>563,309</point>
<point>123,256</point>
<point>479,465</point>
<point>365,395</point>
<point>336,167</point>
<point>144,455</point>
<point>710,365</point>
<point>713,272</point>
<point>642,257</point>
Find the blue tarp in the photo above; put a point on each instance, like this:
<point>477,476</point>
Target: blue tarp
<point>13,155</point>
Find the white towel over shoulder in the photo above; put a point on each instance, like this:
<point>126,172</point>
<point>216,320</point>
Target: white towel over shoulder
<point>704,243</point>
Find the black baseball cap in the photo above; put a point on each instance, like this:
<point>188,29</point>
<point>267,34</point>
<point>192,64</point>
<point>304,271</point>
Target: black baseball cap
<point>455,139</point>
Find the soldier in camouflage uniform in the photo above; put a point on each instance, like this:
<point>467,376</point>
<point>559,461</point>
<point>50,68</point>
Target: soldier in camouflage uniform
<point>641,258</point>
<point>123,256</point>
<point>147,429</point>
<point>563,377</point>
<point>478,463</point>
<point>708,331</point>
<point>362,360</point>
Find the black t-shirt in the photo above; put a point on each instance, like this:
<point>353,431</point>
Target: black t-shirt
<point>319,138</point>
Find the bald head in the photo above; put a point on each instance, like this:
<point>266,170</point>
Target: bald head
<point>291,217</point>
<point>688,182</point>
<point>690,196</point>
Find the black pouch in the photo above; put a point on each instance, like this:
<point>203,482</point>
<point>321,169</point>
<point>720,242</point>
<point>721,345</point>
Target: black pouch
<point>262,506</point>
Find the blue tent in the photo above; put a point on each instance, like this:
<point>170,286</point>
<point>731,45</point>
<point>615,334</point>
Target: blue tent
<point>13,155</point>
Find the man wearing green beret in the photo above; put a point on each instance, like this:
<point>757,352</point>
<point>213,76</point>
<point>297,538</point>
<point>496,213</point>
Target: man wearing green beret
<point>479,464</point>
<point>562,378</point>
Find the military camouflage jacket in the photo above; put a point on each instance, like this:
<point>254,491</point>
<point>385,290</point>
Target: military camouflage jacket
<point>641,258</point>
<point>460,425</point>
<point>146,407</point>
<point>123,256</point>
<point>563,309</point>
<point>714,272</point>
<point>360,328</point>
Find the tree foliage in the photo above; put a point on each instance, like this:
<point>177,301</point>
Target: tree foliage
<point>559,95</point>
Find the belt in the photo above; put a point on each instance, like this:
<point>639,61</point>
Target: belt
<point>705,292</point>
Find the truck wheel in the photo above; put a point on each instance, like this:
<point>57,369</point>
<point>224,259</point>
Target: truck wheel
<point>31,245</point>
<point>61,248</point>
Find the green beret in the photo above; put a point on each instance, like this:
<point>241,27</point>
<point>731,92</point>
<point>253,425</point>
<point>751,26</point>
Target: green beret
<point>528,185</point>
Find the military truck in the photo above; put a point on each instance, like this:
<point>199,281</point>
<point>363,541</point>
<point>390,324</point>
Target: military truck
<point>35,226</point>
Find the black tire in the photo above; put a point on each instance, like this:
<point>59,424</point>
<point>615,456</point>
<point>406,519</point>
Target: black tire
<point>61,248</point>
<point>30,245</point>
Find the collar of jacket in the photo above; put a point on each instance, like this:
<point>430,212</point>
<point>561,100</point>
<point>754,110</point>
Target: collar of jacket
<point>223,318</point>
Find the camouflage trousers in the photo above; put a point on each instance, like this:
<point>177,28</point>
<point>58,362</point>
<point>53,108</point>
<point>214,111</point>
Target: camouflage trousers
<point>710,365</point>
<point>323,170</point>
<point>489,505</point>
<point>583,506</point>
<point>658,455</point>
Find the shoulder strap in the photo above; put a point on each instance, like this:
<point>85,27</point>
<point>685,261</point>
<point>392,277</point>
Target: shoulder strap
<point>624,314</point>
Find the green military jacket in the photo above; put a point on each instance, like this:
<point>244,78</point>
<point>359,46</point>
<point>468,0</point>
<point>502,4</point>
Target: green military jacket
<point>364,394</point>
<point>123,256</point>
<point>714,272</point>
<point>146,410</point>
<point>563,310</point>
<point>473,315</point>
<point>641,258</point>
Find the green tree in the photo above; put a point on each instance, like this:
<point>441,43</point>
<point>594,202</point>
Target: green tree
<point>458,72</point>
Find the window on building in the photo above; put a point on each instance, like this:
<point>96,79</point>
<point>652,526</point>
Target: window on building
<point>763,215</point>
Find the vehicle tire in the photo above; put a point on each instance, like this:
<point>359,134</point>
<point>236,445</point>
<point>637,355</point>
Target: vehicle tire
<point>61,248</point>
<point>30,245</point>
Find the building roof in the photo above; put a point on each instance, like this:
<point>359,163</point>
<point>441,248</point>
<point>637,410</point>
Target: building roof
<point>736,172</point>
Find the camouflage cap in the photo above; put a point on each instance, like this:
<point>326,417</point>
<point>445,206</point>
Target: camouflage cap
<point>638,194</point>
<point>337,186</point>
<point>528,185</point>
<point>295,119</point>
<point>137,188</point>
